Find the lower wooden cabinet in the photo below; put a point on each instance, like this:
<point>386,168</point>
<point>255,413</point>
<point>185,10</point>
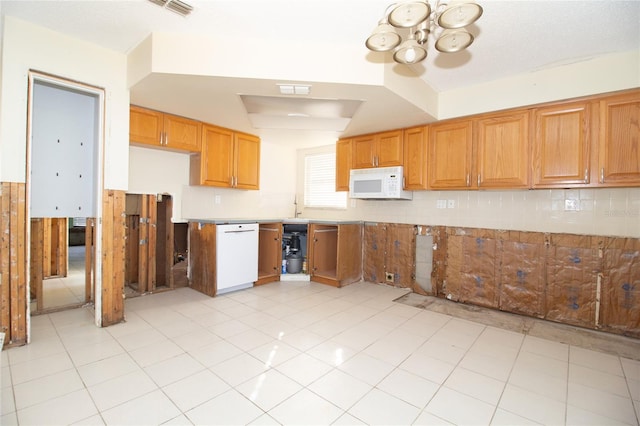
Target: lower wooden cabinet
<point>335,253</point>
<point>269,252</point>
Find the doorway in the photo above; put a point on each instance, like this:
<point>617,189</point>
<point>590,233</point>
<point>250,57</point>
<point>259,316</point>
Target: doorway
<point>64,193</point>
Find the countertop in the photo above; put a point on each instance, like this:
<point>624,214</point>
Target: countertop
<point>296,221</point>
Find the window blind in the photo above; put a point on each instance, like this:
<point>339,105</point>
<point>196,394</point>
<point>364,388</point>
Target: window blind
<point>320,182</point>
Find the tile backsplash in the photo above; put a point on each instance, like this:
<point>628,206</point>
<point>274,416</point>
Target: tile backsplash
<point>602,211</point>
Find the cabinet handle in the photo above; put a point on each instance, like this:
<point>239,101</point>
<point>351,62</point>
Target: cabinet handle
<point>602,175</point>
<point>478,180</point>
<point>586,175</point>
<point>468,179</point>
<point>166,139</point>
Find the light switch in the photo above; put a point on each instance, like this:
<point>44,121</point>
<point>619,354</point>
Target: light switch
<point>217,199</point>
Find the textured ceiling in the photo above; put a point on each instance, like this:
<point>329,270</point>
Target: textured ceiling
<point>512,37</point>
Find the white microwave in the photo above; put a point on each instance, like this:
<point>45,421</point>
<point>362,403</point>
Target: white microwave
<point>381,183</point>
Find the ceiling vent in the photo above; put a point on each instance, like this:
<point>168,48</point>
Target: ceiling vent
<point>177,6</point>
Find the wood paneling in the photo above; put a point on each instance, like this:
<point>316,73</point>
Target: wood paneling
<point>13,263</point>
<point>113,255</point>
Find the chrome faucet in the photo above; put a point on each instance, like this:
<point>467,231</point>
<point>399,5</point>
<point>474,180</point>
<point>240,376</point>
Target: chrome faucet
<point>296,213</point>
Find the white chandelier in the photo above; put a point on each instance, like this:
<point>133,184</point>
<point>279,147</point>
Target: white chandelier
<point>449,20</point>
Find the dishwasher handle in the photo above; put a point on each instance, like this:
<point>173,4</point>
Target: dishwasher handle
<point>239,231</point>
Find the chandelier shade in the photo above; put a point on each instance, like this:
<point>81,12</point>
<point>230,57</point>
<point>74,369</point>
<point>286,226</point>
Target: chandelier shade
<point>452,41</point>
<point>417,19</point>
<point>409,14</point>
<point>409,52</point>
<point>459,15</point>
<point>383,38</point>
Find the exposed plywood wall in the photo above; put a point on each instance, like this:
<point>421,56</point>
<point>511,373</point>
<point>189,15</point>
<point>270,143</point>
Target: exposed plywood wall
<point>113,256</point>
<point>13,263</point>
<point>588,281</point>
<point>389,254</point>
<point>620,285</point>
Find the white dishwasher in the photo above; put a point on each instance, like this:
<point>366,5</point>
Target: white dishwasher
<point>236,256</point>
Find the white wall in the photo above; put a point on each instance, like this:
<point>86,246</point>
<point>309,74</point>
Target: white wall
<point>30,47</point>
<point>154,171</point>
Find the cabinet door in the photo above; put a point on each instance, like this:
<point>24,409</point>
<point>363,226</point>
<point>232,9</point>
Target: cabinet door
<point>389,149</point>
<point>349,254</point>
<point>503,151</point>
<point>182,133</point>
<point>269,252</point>
<point>324,253</point>
<point>619,144</point>
<point>216,166</point>
<point>415,158</point>
<point>145,126</point>
<point>450,153</point>
<point>364,152</point>
<point>343,164</point>
<point>247,161</point>
<point>561,146</point>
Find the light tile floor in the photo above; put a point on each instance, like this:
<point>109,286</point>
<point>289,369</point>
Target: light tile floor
<point>69,290</point>
<point>304,353</point>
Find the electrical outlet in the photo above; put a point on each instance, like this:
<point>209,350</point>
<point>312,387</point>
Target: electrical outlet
<point>217,199</point>
<point>571,205</point>
<point>389,277</point>
<point>451,204</point>
<point>441,204</point>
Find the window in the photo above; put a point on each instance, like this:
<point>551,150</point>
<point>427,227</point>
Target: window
<point>320,182</point>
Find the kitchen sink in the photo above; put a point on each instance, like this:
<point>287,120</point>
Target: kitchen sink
<point>295,220</point>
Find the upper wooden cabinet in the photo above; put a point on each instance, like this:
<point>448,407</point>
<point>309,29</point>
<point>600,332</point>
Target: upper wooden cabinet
<point>561,145</point>
<point>378,150</point>
<point>503,151</point>
<point>495,155</point>
<point>157,129</point>
<point>343,164</point>
<point>228,159</point>
<point>415,158</point>
<point>450,155</point>
<point>619,140</point>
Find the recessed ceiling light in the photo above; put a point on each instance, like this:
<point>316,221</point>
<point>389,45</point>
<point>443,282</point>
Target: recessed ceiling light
<point>294,89</point>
